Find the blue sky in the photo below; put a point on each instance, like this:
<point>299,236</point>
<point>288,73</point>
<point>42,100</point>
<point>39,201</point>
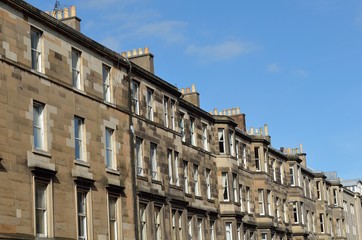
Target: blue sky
<point>295,65</point>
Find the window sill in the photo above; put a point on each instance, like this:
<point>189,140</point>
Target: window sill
<point>175,187</point>
<point>112,171</point>
<point>142,177</point>
<point>156,181</point>
<point>79,90</point>
<point>210,200</point>
<point>42,152</point>
<point>188,195</point>
<point>198,197</point>
<point>81,163</point>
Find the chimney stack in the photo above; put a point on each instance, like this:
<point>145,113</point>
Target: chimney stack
<point>192,96</point>
<point>142,57</point>
<point>63,15</point>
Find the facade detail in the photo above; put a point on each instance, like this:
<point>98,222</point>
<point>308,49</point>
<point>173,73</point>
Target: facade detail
<point>96,146</point>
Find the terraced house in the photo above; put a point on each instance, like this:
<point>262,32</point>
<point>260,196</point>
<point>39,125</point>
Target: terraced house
<point>94,145</point>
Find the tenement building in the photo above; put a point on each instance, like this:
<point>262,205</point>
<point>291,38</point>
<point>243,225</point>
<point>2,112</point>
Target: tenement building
<point>94,145</point>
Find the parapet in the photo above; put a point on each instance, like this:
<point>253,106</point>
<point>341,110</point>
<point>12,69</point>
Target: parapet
<point>142,57</point>
<point>191,95</point>
<point>68,16</point>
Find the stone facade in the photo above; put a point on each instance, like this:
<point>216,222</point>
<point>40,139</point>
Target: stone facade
<point>95,146</point>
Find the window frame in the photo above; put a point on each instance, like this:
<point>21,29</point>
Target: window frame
<point>79,139</point>
<point>153,158</point>
<point>150,104</point>
<point>135,88</point>
<point>39,142</point>
<point>76,69</point>
<point>106,82</point>
<point>36,51</point>
<point>139,156</point>
<point>221,140</point>
<point>109,146</point>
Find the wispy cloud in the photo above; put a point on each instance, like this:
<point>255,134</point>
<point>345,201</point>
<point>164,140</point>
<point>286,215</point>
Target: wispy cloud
<point>220,52</point>
<point>273,67</point>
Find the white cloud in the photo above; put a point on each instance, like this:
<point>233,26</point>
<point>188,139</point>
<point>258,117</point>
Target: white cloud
<point>219,52</point>
<point>273,67</point>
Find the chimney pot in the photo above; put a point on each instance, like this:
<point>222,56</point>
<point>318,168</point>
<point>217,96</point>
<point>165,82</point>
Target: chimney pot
<point>59,15</point>
<point>238,110</point>
<point>129,54</point>
<point>301,148</point>
<point>73,11</point>
<point>123,54</point>
<point>66,12</point>
<point>251,131</point>
<point>233,112</point>
<point>229,112</point>
<point>183,90</point>
<point>140,51</point>
<point>134,52</point>
<point>266,130</point>
<point>188,90</point>
<point>193,88</point>
<point>215,111</point>
<point>147,50</point>
<point>53,14</point>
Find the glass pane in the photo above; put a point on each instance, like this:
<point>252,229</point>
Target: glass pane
<point>40,196</point>
<point>40,221</point>
<point>81,203</point>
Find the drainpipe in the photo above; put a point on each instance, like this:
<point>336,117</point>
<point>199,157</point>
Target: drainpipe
<point>131,145</point>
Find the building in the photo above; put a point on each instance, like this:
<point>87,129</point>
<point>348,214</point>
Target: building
<point>96,146</point>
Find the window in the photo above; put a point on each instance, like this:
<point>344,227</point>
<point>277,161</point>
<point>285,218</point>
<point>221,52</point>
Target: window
<point>235,188</point>
<point>270,199</point>
<point>225,186</point>
<point>38,126</point>
<point>310,188</point>
<point>165,111</point>
<point>106,84</point>
<point>299,175</point>
<point>36,51</point>
<point>42,215</point>
<point>149,104</point>
<point>82,214</point>
<point>143,222</point>
<point>237,152</point>
<point>205,142</point>
<point>221,139</point>
<point>291,175</point>
<point>135,97</point>
<point>261,201</point>
<point>257,160</point>
<point>313,222</point>
<point>295,213</point>
<point>266,159</point>
<point>231,143</point>
<point>175,168</point>
<point>212,230</point>
<point>228,231</point>
<point>186,177</point>
<point>139,156</point>
<point>281,173</point>
<point>169,159</point>
<point>335,197</point>
<point>199,229</point>
<point>302,212</point>
<point>305,186</point>
<point>196,180</point>
<point>192,131</point>
<point>113,217</point>
<point>285,211</point>
<point>157,223</point>
<point>110,159</point>
<point>277,208</point>
<point>264,236</point>
<point>319,195</point>
<point>76,69</point>
<point>153,156</point>
<point>173,224</point>
<point>321,221</point>
<point>274,165</point>
<point>182,127</point>
<point>248,199</point>
<point>79,138</point>
<point>180,232</point>
<point>243,150</point>
<point>238,231</point>
<point>241,197</point>
<point>173,114</point>
<point>208,183</point>
<point>190,233</point>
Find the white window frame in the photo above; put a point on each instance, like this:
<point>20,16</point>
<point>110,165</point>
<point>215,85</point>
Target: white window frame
<point>295,213</point>
<point>270,199</point>
<point>79,136</point>
<point>39,125</point>
<point>143,218</point>
<point>173,114</point>
<point>153,157</point>
<point>182,127</point>
<point>165,111</point>
<point>36,49</point>
<point>244,153</point>
<point>205,140</point>
<point>225,186</point>
<point>248,199</point>
<point>113,217</point>
<point>228,231</point>
<point>212,230</point>
<point>170,168</point>
<point>175,166</point>
<point>43,207</point>
<point>257,159</point>
<point>139,156</point>
<point>158,222</point>
<point>241,197</point>
<point>135,97</point>
<point>261,202</point>
<point>208,183</point>
<point>106,83</point>
<point>149,102</point>
<point>192,131</point>
<point>231,143</point>
<point>82,215</point>
<point>221,140</point>
<point>186,176</point>
<point>321,221</point>
<point>196,180</point>
<point>291,175</point>
<point>200,232</point>
<point>110,150</point>
<point>76,60</point>
<point>235,187</point>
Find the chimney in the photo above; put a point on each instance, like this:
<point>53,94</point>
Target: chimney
<point>70,18</point>
<point>192,96</point>
<point>142,57</point>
